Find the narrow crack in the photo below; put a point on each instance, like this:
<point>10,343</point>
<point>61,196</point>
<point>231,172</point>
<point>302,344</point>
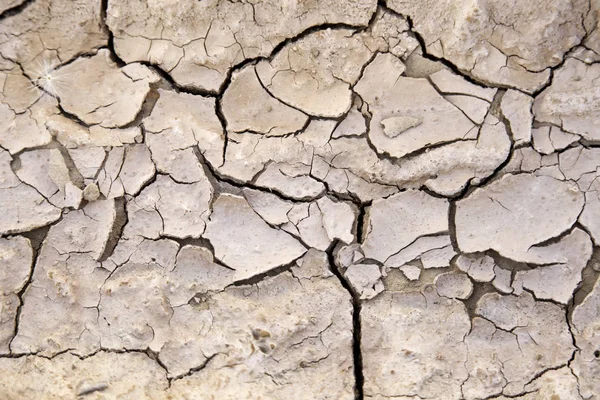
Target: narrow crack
<point>194,370</point>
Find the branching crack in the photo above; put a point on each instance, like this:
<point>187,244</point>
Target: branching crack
<point>356,324</point>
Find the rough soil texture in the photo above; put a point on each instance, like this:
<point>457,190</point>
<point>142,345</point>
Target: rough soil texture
<point>264,199</point>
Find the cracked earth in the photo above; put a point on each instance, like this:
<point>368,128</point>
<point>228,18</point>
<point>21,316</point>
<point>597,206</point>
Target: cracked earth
<point>260,199</point>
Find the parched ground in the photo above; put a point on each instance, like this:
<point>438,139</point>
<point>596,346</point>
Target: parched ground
<point>300,199</point>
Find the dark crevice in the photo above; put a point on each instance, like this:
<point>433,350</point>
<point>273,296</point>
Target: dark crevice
<point>255,279</point>
<point>37,239</point>
<point>253,61</point>
<point>351,197</point>
<point>71,116</point>
<point>452,225</point>
<point>508,264</point>
<point>466,74</point>
<point>111,37</point>
<point>565,57</point>
<point>216,177</point>
<point>93,389</point>
<point>37,354</point>
<point>74,174</point>
<point>223,120</point>
<point>443,61</point>
<point>121,219</point>
<point>198,242</point>
<point>281,45</point>
<point>16,9</point>
<point>37,236</point>
<point>145,109</point>
<point>589,277</point>
<point>494,111</point>
<point>284,136</point>
<point>157,69</point>
<point>556,238</point>
<point>480,289</point>
<point>103,13</point>
<point>356,323</point>
<point>543,300</point>
<point>385,156</point>
<point>361,221</point>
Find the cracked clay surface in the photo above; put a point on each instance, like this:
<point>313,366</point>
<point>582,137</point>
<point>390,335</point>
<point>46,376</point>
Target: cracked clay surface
<point>299,199</point>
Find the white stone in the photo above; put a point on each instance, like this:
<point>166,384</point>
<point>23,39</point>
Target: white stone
<point>479,267</point>
<point>454,285</point>
<point>515,213</point>
<point>503,280</point>
<point>244,242</point>
<point>11,137</point>
<point>291,181</point>
<point>16,261</point>
<point>46,33</point>
<point>447,169</point>
<point>109,182</point>
<point>516,108</point>
<point>417,248</point>
<point>590,217</point>
<point>573,100</point>
<point>509,44</point>
<point>586,324</point>
<point>137,169</point>
<point>97,92</point>
<point>312,74</point>
<point>396,222</point>
<point>353,125</point>
<point>473,107</point>
<point>77,137</point>
<point>91,192</point>
<point>412,344</point>
<point>47,172</point>
<point>198,42</point>
<point>88,160</point>
<point>59,307</point>
<point>247,106</point>
<point>411,272</point>
<point>178,122</point>
<point>182,209</point>
<point>24,209</point>
<point>534,337</point>
<point>437,258</point>
<point>409,114</point>
<point>449,83</point>
<point>270,207</point>
<point>87,230</point>
<point>557,282</point>
<point>365,279</point>
<point>105,374</point>
<point>73,196</point>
